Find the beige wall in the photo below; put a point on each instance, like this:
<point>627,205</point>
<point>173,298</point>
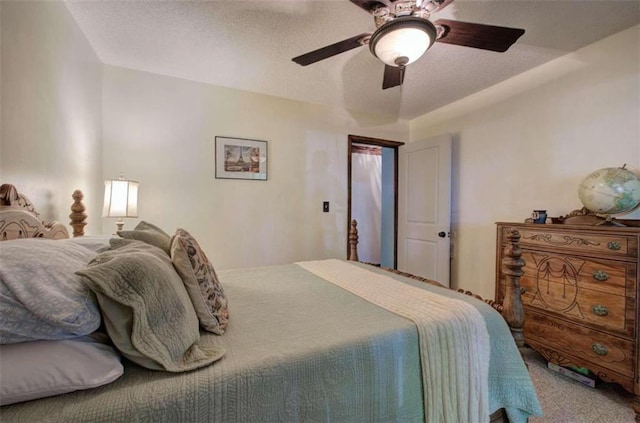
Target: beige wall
<point>523,144</point>
<point>51,108</point>
<point>161,132</point>
<point>526,144</point>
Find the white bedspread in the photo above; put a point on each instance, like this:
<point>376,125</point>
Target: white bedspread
<point>454,342</point>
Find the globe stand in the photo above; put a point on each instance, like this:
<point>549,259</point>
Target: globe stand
<point>609,222</point>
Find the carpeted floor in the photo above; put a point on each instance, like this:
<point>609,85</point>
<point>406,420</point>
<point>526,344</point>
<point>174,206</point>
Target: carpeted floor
<point>564,400</point>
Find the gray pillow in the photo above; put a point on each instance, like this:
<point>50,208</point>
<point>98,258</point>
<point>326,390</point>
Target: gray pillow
<point>146,226</point>
<point>38,369</point>
<point>151,234</point>
<point>146,309</point>
<point>41,297</point>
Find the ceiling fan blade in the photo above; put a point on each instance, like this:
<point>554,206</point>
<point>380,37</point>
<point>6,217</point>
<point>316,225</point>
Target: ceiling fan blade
<point>485,37</point>
<point>331,50</point>
<point>370,5</point>
<point>393,76</point>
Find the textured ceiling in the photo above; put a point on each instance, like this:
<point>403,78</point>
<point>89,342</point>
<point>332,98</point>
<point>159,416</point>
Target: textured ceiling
<point>249,45</point>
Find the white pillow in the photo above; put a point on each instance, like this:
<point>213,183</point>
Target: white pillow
<point>41,297</point>
<point>38,369</point>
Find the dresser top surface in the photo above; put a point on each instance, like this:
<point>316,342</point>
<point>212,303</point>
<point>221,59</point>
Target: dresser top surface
<point>559,227</point>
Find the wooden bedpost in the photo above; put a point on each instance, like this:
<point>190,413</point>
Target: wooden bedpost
<point>78,216</point>
<point>353,241</point>
<point>512,264</point>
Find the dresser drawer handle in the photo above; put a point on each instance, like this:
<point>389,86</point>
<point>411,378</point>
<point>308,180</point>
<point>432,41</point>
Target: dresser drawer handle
<point>600,310</point>
<point>614,245</point>
<point>599,349</point>
<point>600,275</point>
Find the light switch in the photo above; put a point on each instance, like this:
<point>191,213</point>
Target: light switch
<point>325,206</point>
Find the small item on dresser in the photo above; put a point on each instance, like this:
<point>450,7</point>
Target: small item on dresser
<point>539,216</point>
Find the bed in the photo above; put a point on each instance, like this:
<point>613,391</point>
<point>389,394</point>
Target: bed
<point>311,341</point>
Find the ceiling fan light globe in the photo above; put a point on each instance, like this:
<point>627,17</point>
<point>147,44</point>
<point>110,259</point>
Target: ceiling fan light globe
<point>411,43</point>
<point>407,38</point>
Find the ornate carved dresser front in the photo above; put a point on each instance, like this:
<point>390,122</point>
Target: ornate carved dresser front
<point>580,296</point>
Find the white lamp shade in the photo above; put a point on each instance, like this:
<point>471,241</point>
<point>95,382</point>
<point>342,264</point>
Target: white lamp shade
<point>120,198</point>
<point>402,41</point>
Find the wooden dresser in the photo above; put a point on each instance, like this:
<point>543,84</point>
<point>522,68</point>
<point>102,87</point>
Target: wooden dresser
<point>580,297</point>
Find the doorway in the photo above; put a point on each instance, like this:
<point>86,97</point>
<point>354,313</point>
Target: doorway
<point>372,173</point>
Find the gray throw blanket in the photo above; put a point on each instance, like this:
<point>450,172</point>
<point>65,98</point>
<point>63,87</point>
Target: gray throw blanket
<point>146,309</point>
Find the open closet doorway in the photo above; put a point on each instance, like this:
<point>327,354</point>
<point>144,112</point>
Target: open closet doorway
<point>373,197</point>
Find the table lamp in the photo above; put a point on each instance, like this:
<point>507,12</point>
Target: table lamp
<point>120,199</point>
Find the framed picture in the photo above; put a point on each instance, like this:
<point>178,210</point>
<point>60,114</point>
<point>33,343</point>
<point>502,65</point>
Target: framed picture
<point>239,158</point>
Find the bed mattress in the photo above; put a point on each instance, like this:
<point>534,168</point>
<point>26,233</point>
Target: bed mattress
<point>298,349</point>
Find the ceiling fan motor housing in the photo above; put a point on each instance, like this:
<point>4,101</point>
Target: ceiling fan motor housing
<point>403,40</point>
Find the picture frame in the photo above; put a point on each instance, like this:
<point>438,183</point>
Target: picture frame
<point>241,158</point>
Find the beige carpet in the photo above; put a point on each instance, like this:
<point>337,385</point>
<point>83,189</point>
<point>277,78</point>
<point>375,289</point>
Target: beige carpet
<point>564,400</point>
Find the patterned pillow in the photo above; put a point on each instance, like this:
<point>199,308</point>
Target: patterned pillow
<point>201,281</point>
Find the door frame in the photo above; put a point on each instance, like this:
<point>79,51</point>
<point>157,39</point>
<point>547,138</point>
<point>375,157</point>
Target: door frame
<point>395,145</point>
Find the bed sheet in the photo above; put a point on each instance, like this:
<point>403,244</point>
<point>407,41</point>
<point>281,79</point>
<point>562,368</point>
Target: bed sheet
<point>298,349</point>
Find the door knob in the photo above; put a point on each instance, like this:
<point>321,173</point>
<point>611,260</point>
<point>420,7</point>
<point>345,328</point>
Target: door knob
<point>442,234</point>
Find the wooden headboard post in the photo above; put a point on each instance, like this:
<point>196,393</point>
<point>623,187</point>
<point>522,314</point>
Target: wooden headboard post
<point>78,216</point>
<point>512,309</point>
<point>353,241</point>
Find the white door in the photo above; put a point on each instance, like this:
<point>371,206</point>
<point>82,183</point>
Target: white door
<point>424,208</point>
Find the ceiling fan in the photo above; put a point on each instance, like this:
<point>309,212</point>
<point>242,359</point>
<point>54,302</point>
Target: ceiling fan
<point>404,33</point>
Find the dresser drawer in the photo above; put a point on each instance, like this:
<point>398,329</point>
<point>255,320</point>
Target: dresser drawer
<point>588,291</point>
<point>610,277</point>
<point>576,241</point>
<point>608,312</point>
<point>602,349</point>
